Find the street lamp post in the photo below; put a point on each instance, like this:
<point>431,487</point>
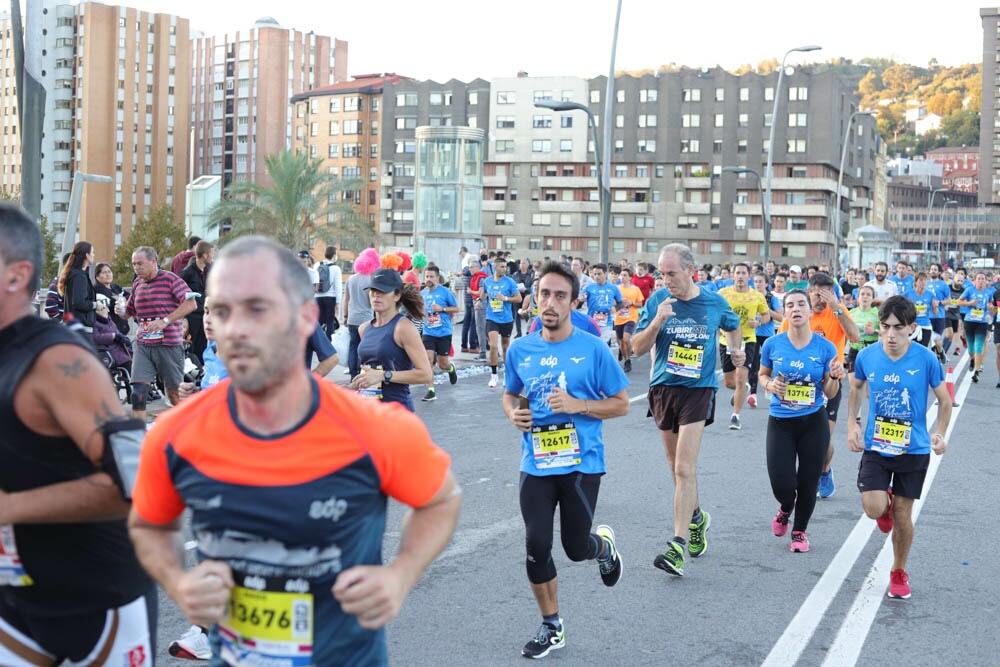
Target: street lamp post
<point>764,211</point>
<point>930,203</point>
<point>941,226</point>
<point>840,184</point>
<point>861,255</point>
<point>769,172</point>
<point>73,211</point>
<point>603,191</point>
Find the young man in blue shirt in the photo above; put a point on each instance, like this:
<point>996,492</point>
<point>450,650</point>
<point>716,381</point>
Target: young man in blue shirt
<point>439,306</point>
<point>896,441</point>
<point>560,386</point>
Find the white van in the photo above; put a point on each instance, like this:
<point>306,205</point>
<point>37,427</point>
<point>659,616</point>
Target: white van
<point>981,263</point>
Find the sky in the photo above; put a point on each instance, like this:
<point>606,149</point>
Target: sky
<point>465,39</point>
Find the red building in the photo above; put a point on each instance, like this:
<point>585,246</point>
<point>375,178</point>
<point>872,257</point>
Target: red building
<point>960,167</point>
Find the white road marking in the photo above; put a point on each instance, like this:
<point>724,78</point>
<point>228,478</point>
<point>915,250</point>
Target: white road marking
<point>798,634</point>
<point>857,623</point>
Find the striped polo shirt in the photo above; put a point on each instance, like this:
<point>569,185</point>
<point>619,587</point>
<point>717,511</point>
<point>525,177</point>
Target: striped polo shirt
<point>155,299</point>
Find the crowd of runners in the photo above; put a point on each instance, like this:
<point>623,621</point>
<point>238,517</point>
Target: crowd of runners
<point>286,475</point>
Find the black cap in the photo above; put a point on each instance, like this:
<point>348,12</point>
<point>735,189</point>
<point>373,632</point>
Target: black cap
<point>386,280</point>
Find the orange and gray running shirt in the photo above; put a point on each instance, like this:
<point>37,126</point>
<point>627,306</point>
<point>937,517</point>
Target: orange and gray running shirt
<point>288,513</point>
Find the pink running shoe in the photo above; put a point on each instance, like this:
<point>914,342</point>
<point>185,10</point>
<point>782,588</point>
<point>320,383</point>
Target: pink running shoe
<point>780,524</point>
<point>800,543</point>
<point>899,584</point>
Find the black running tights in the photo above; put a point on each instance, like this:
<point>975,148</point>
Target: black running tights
<point>802,441</point>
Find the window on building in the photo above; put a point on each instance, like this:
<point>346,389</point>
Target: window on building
<point>648,95</point>
<point>505,122</point>
<point>541,146</point>
<point>334,104</point>
<point>691,94</point>
<point>649,120</point>
<point>690,146</point>
<point>646,145</point>
<point>690,120</point>
<point>719,119</point>
<point>506,97</point>
<point>565,145</point>
<point>798,93</point>
<point>796,120</point>
<point>740,222</point>
<point>744,94</point>
<point>595,96</point>
<point>796,145</point>
<point>505,146</point>
<point>541,121</point>
<point>720,94</point>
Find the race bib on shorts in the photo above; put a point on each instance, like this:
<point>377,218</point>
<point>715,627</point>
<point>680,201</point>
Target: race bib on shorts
<point>891,436</point>
<point>12,572</point>
<point>685,359</point>
<point>555,445</point>
<point>268,621</point>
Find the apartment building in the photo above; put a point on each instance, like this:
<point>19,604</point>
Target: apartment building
<point>242,84</point>
<point>407,105</point>
<point>672,135</point>
<point>118,93</point>
<point>340,125</point>
<point>989,125</point>
<point>959,166</point>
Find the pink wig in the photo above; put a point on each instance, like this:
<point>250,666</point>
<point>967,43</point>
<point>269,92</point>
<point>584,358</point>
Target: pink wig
<point>367,262</point>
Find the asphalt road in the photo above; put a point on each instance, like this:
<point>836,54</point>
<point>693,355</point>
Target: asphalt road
<point>748,601</point>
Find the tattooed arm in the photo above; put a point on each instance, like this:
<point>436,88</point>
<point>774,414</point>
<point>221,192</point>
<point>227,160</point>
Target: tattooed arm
<point>67,393</point>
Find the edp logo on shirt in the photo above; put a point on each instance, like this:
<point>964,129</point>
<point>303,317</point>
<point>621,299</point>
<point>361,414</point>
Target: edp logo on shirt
<point>892,378</point>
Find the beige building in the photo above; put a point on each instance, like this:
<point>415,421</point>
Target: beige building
<point>243,82</point>
<point>340,124</point>
<point>117,80</point>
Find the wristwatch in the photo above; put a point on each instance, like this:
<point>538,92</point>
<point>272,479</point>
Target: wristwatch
<point>387,376</point>
<point>838,312</point>
<point>166,320</point>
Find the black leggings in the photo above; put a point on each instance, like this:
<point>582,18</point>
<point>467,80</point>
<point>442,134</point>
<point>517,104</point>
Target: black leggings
<point>803,440</point>
<point>576,495</point>
<point>755,366</point>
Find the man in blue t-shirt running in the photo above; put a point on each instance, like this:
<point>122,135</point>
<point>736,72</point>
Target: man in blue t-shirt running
<point>439,306</point>
<point>683,321</point>
<point>896,376</point>
<point>560,386</point>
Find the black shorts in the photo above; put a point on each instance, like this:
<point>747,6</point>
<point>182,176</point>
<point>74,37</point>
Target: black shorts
<point>833,404</point>
<point>439,344</point>
<point>622,329</point>
<point>673,407</point>
<point>996,334</point>
<point>906,473</point>
<point>727,362</point>
<point>503,328</point>
<point>937,326</point>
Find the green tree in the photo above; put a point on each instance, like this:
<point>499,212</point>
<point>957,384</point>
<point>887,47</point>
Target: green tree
<point>870,84</point>
<point>50,251</point>
<point>960,128</point>
<point>938,104</point>
<point>157,229</point>
<point>305,205</point>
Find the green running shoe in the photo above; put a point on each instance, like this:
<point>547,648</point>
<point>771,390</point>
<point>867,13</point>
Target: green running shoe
<point>671,561</point>
<point>698,540</point>
<point>547,639</point>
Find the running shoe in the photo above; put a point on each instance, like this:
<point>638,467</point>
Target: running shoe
<point>671,561</point>
<point>975,377</point>
<point>611,569</point>
<point>431,395</point>
<point>734,423</point>
<point>998,384</point>
<point>885,521</point>
<point>547,639</point>
<point>826,486</point>
<point>779,526</point>
<point>192,645</point>
<point>452,374</point>
<point>752,401</point>
<point>957,351</point>
<point>899,584</point>
<point>697,538</point>
<point>493,381</point>
<point>628,365</point>
<point>800,543</point>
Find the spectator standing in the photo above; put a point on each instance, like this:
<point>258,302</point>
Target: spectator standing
<point>195,275</point>
<point>330,287</point>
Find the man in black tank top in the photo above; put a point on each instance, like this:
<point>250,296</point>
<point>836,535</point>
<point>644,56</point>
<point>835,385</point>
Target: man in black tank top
<point>71,589</point>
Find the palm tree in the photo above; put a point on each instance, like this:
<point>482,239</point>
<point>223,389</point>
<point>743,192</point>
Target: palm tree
<point>304,205</point>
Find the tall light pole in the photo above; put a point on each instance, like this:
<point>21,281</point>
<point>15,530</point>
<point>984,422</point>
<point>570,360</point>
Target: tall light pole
<point>840,185</point>
<point>769,172</point>
<point>861,255</point>
<point>609,110</point>
<point>941,226</point>
<point>603,192</point>
<point>930,203</point>
<point>765,212</point>
<point>73,212</point>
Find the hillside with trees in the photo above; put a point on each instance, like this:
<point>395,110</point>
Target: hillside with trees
<point>885,86</point>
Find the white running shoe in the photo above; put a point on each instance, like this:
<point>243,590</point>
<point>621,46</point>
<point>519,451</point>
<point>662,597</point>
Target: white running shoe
<point>192,645</point>
<point>493,381</point>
